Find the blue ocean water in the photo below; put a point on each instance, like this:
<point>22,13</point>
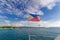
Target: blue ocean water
<point>24,32</point>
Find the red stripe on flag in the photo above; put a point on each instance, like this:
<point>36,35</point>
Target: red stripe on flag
<point>35,19</point>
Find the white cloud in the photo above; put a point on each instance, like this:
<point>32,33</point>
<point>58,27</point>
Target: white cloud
<point>46,2</point>
<point>33,6</point>
<point>33,10</point>
<point>54,24</point>
<point>57,0</point>
<point>1,11</point>
<point>50,6</point>
<point>7,23</point>
<point>3,17</point>
<point>37,24</point>
<point>32,24</point>
<point>4,21</point>
<point>26,24</point>
<point>50,23</point>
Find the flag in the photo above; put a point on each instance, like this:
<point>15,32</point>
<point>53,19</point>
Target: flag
<point>34,18</point>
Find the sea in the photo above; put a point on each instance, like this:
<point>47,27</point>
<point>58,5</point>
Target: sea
<point>29,33</point>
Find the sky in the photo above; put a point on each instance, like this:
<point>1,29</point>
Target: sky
<point>13,12</point>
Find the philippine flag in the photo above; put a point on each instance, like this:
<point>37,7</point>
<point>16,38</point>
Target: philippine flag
<point>34,18</point>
